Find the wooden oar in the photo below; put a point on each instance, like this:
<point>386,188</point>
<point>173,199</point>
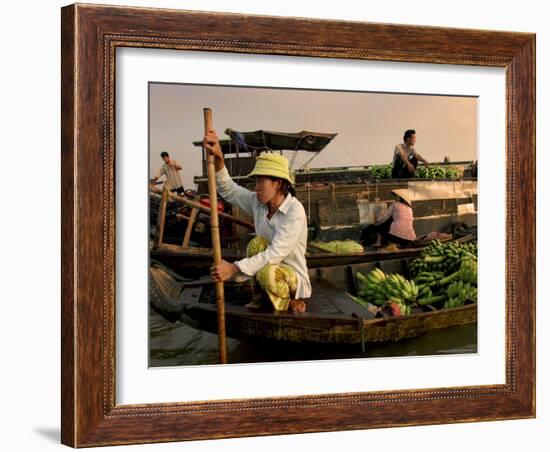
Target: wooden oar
<point>216,245</point>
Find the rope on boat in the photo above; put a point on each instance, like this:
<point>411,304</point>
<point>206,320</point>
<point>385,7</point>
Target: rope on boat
<point>333,200</point>
<point>295,153</point>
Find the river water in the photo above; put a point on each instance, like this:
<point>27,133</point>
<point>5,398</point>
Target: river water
<point>177,344</point>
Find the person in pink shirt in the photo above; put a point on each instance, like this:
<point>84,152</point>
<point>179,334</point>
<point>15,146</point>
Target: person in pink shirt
<point>396,225</point>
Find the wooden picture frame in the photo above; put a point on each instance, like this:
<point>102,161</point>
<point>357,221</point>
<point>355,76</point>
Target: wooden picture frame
<point>90,36</point>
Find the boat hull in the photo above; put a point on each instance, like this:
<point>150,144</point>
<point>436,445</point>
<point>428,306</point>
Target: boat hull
<point>314,329</point>
<point>332,317</point>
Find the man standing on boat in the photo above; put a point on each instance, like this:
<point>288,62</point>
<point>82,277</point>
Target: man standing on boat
<point>405,157</point>
<point>276,256</point>
<point>170,170</point>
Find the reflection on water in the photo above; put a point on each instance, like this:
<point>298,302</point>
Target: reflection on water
<point>177,344</point>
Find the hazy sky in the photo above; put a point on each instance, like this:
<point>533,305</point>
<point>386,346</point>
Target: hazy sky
<point>369,125</point>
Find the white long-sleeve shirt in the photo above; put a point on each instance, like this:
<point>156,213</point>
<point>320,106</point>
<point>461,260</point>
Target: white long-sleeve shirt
<point>286,231</point>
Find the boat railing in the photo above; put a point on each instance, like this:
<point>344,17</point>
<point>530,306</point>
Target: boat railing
<point>196,208</point>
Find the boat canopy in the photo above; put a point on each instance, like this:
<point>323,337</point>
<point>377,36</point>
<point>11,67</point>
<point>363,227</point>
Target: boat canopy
<point>265,140</point>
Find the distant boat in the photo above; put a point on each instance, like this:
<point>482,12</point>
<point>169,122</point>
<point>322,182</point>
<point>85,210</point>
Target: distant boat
<point>337,201</point>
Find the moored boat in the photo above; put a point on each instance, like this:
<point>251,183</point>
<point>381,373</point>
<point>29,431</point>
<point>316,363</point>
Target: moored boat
<point>182,259</point>
<point>338,201</point>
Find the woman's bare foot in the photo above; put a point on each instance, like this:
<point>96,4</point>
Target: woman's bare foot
<point>297,306</point>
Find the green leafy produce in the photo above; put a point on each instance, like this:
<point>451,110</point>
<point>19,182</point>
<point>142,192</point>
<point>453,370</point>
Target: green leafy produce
<point>381,171</point>
<point>436,172</point>
<point>451,173</point>
<point>340,246</point>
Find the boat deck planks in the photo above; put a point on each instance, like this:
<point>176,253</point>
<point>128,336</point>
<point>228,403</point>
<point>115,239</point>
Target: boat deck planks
<point>328,298</point>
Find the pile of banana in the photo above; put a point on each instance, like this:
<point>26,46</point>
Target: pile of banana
<point>379,289</point>
<point>448,285</point>
<point>459,293</point>
<point>442,257</point>
<point>425,281</point>
<point>471,247</point>
<point>454,289</point>
<point>369,287</point>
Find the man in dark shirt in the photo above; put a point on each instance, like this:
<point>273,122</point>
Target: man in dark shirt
<point>405,157</point>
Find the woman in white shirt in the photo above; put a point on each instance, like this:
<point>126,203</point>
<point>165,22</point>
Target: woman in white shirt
<point>279,217</point>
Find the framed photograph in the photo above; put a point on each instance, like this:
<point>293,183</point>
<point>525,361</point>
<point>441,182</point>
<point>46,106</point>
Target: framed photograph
<point>181,321</point>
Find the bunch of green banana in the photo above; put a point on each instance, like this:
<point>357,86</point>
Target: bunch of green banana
<point>401,291</point>
<point>459,292</point>
<point>470,247</point>
<point>428,279</point>
<point>427,283</point>
<point>466,273</point>
<point>369,287</point>
<point>444,257</point>
<point>425,292</point>
<point>431,299</point>
<point>461,285</point>
<point>378,288</point>
<point>418,266</point>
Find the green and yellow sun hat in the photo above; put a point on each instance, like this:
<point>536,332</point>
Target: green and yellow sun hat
<point>275,165</point>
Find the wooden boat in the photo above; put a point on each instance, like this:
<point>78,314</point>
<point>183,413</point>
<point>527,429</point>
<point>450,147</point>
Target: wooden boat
<point>337,200</point>
<point>333,318</point>
<point>183,259</point>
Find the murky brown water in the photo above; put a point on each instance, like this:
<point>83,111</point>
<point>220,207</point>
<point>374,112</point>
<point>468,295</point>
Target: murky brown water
<point>177,344</point>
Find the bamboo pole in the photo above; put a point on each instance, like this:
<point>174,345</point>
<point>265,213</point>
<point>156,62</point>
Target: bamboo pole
<point>216,245</point>
<point>161,219</point>
<point>189,229</point>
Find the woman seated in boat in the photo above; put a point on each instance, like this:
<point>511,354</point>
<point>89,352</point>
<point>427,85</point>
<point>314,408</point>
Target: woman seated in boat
<point>279,218</point>
<point>396,225</point>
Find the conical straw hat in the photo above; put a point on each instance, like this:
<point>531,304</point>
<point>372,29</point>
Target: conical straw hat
<point>404,194</point>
